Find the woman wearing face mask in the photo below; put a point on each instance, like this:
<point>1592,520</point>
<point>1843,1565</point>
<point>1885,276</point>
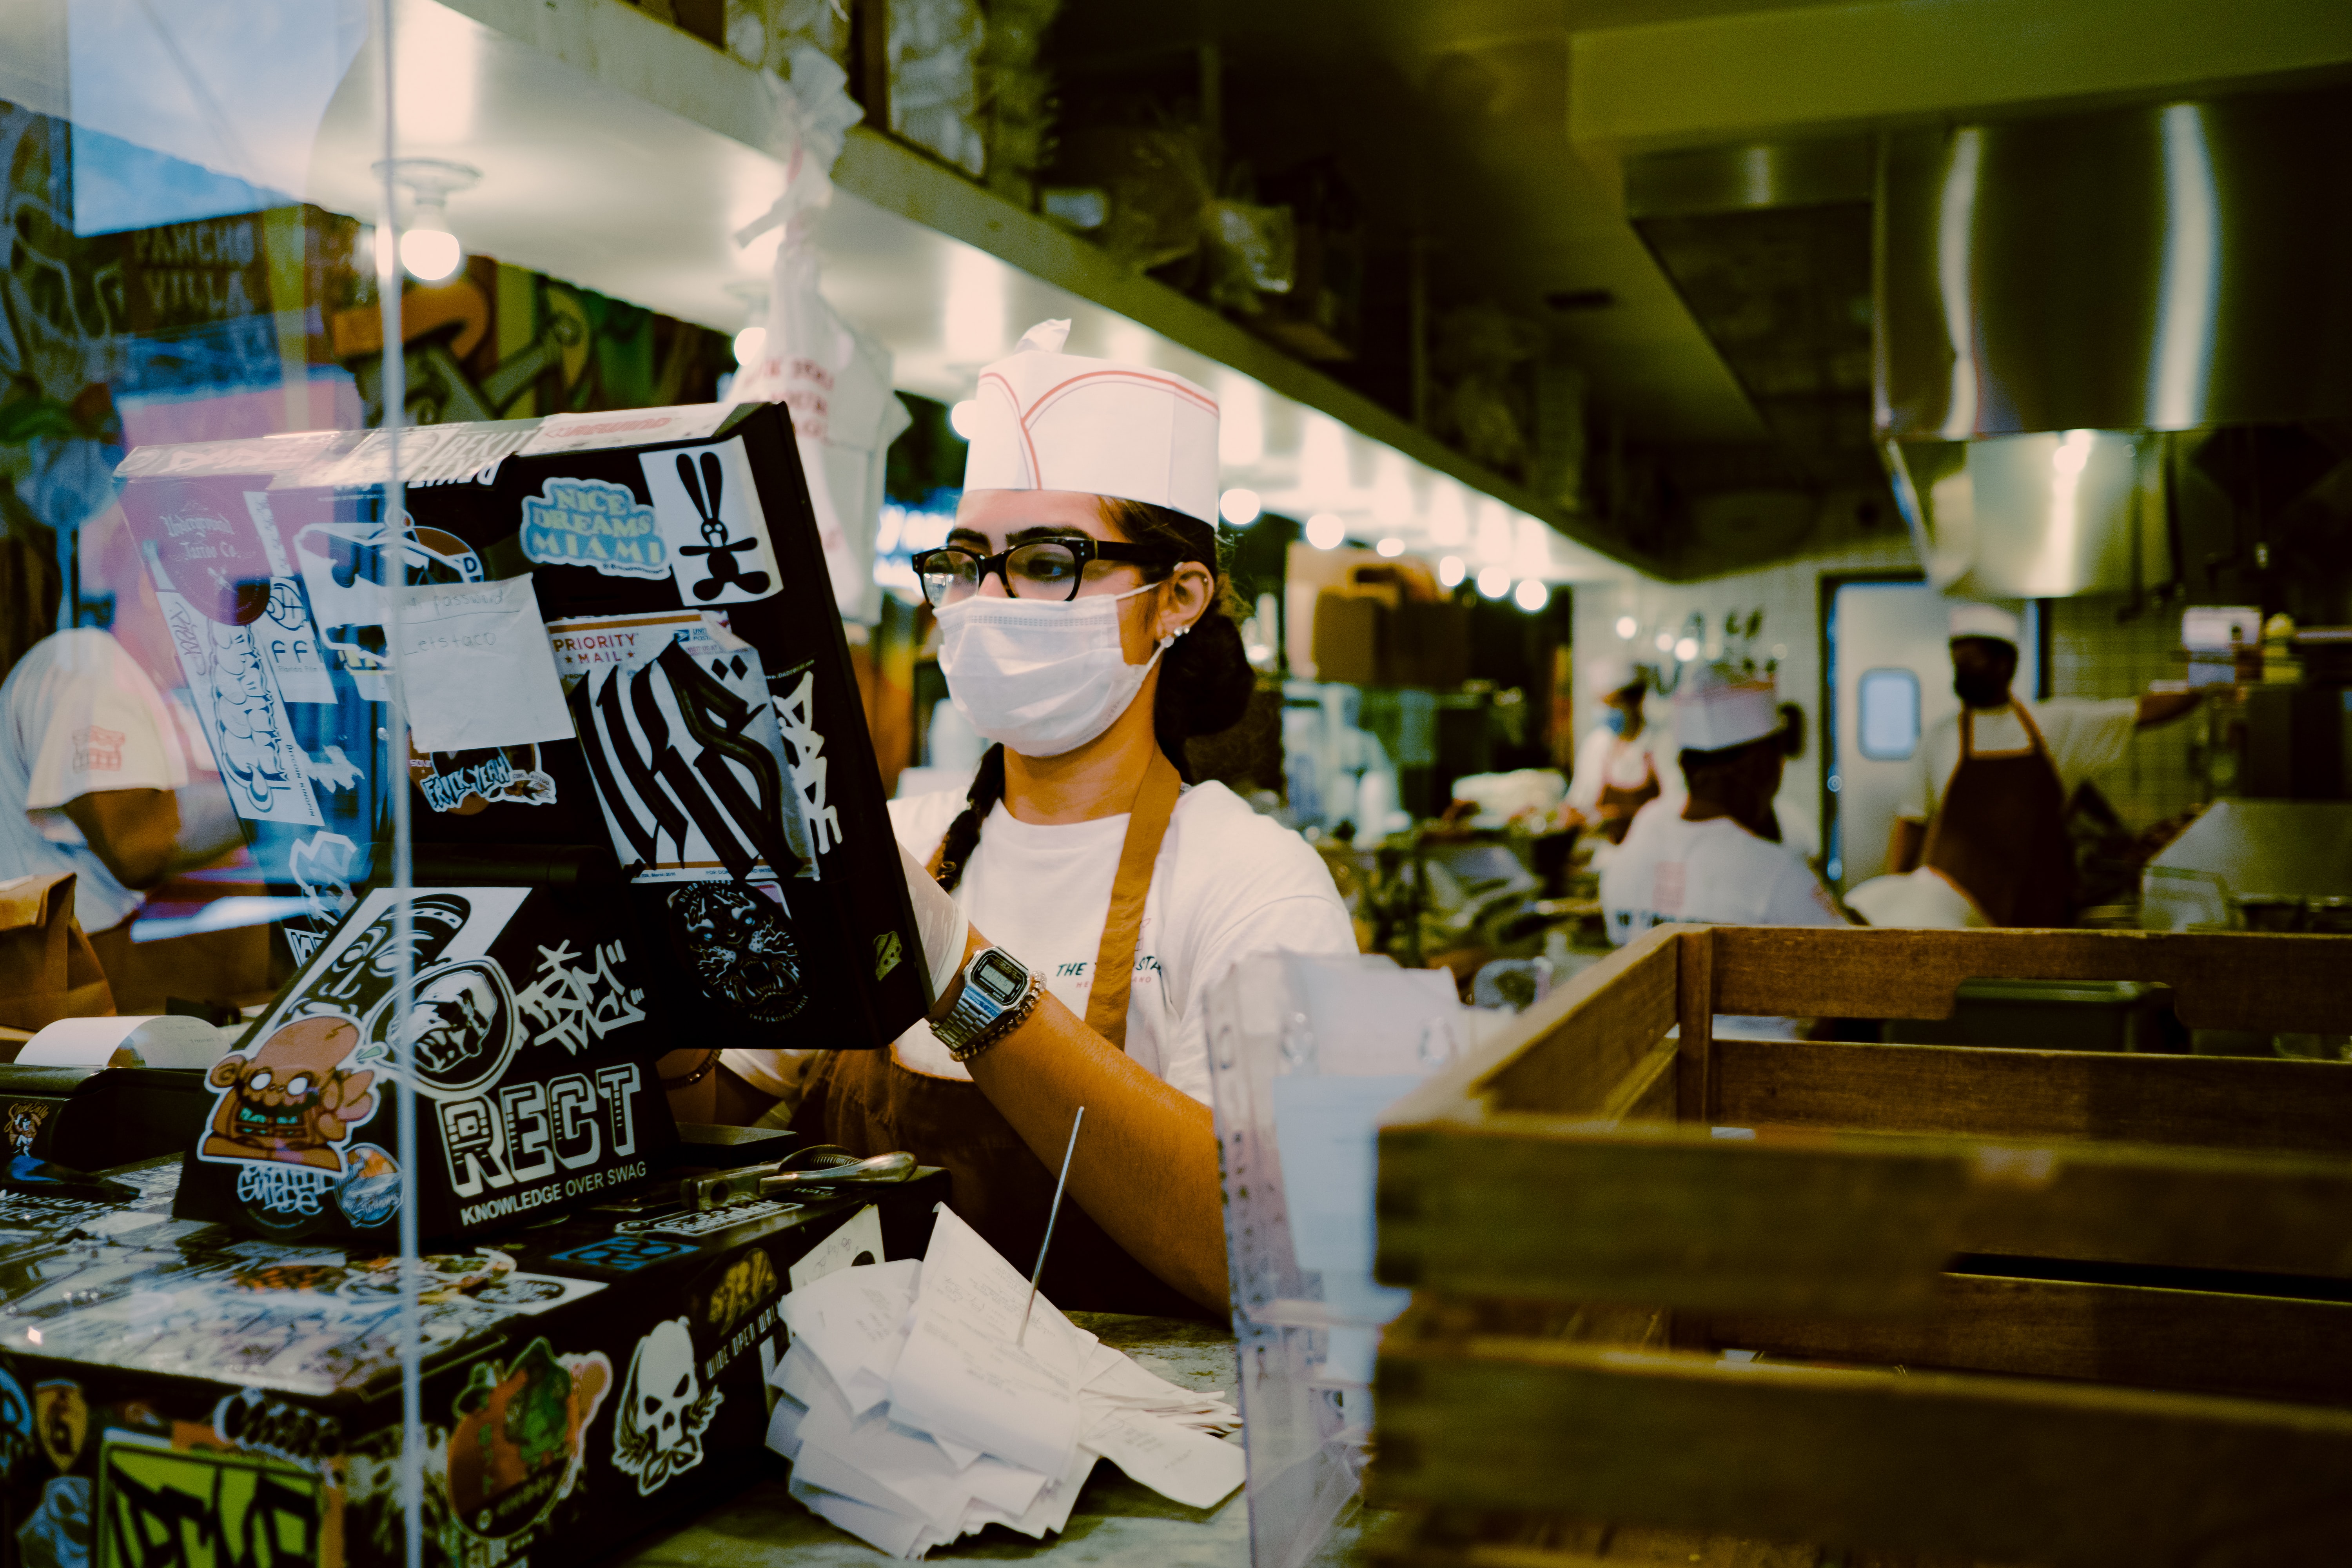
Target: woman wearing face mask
<point>1079,901</point>
<point>1626,763</point>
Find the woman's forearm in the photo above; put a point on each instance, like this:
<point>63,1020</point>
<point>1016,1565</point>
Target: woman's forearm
<point>1146,1168</point>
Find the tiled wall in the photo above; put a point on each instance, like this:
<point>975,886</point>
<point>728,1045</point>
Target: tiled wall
<point>2093,655</point>
<point>1789,595</point>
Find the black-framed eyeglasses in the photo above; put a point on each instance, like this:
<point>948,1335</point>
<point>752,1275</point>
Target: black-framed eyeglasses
<point>1039,569</point>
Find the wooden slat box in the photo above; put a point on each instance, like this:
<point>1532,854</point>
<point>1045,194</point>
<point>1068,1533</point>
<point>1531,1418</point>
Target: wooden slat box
<point>1589,1211</point>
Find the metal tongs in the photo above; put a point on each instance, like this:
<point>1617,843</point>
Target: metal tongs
<point>814,1171</point>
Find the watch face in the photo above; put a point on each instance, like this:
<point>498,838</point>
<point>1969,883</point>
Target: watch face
<point>998,978</point>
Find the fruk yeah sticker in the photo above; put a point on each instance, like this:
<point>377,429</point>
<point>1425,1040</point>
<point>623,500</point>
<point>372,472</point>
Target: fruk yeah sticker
<point>709,509</point>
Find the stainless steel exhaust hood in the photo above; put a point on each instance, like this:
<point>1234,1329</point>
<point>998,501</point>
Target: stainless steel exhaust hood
<point>2043,516</point>
<point>2049,292</point>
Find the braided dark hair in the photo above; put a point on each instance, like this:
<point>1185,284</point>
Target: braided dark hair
<point>1205,680</point>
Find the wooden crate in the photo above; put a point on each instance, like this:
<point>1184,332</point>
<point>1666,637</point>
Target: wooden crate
<point>1590,1213</point>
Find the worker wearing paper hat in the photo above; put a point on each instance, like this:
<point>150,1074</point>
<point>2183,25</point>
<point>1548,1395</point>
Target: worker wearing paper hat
<point>1624,761</point>
<point>1983,621</point>
<point>1719,859</point>
<point>1044,420</point>
<point>1718,707</point>
<point>1072,895</point>
<point>1983,810</point>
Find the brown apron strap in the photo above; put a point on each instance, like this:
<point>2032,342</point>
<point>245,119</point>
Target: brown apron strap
<point>2032,731</point>
<point>1147,825</point>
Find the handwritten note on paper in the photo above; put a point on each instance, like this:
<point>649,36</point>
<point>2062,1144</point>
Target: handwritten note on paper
<point>1196,1469</point>
<point>857,1244</point>
<point>476,669</point>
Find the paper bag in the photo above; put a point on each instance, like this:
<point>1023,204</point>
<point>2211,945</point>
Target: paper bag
<point>48,969</point>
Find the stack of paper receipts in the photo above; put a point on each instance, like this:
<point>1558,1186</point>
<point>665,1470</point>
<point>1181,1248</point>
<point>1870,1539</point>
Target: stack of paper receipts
<point>912,1418</point>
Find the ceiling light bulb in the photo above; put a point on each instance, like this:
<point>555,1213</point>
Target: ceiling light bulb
<point>1451,571</point>
<point>432,254</point>
<point>1665,642</point>
<point>1325,531</point>
<point>963,417</point>
<point>1686,650</point>
<point>1494,581</point>
<point>750,343</point>
<point>1627,627</point>
<point>427,250</point>
<point>1390,547</point>
<point>1532,594</point>
<point>1238,507</point>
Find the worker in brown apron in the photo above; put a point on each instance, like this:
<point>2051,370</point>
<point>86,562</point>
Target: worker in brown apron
<point>1996,831</point>
<point>2000,831</point>
<point>1084,628</point>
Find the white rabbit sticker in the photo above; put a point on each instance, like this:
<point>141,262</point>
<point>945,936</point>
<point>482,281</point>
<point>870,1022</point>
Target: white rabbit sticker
<point>707,508</point>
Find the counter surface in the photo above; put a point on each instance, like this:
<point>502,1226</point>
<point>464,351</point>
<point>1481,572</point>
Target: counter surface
<point>1116,1521</point>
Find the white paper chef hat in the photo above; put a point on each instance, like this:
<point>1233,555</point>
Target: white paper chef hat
<point>1608,674</point>
<point>1044,420</point>
<point>1983,621</point>
<point>1716,706</point>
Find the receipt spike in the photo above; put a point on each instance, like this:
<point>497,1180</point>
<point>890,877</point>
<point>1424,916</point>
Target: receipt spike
<point>1051,1216</point>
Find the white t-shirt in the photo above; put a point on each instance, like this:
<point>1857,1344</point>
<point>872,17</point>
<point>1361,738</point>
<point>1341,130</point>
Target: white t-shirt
<point>2082,739</point>
<point>78,716</point>
<point>1712,872</point>
<point>1606,758</point>
<point>1229,884</point>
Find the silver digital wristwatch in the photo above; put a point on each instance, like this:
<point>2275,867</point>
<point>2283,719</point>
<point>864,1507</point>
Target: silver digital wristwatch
<point>997,993</point>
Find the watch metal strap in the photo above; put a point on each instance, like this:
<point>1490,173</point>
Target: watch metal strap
<point>1004,1024</point>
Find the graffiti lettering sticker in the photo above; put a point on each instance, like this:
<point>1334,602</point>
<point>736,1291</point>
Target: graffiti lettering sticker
<point>684,745</point>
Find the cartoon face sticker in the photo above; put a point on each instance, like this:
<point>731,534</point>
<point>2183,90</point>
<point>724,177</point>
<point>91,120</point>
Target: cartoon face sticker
<point>665,1409</point>
<point>738,944</point>
<point>460,1022</point>
<point>291,1101</point>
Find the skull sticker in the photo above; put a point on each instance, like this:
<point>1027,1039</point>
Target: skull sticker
<point>665,1409</point>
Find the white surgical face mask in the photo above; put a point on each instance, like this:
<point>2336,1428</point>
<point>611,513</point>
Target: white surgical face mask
<point>1041,678</point>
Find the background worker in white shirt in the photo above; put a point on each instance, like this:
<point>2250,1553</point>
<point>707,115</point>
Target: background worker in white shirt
<point>1711,859</point>
<point>1626,763</point>
<point>93,781</point>
<point>1986,806</point>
